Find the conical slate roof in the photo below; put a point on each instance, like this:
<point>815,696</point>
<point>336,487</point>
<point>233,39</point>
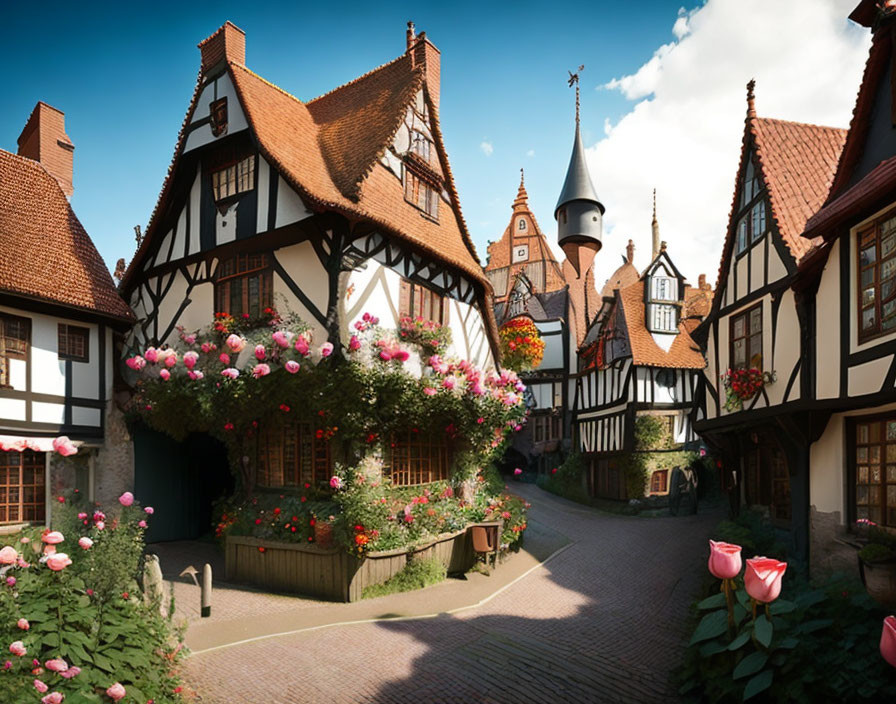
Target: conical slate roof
<point>577,185</point>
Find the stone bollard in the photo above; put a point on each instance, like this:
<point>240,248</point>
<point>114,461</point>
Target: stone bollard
<point>152,581</point>
<point>206,591</point>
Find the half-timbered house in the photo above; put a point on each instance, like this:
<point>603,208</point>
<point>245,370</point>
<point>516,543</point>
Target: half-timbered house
<point>59,313</point>
<point>757,322</point>
<point>847,285</point>
<point>638,358</point>
<point>330,208</point>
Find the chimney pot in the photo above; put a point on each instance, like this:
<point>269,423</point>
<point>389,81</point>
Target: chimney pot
<point>44,140</point>
<point>227,44</point>
<point>411,35</point>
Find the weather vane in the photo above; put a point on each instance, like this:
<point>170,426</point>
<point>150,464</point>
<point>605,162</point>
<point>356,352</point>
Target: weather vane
<point>574,81</point>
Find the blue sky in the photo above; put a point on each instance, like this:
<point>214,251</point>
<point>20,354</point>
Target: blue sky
<point>124,74</point>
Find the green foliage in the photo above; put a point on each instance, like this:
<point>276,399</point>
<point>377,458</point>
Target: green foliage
<point>417,574</point>
<point>92,614</point>
<point>753,532</point>
<point>876,552</point>
<point>431,337</point>
<point>651,433</point>
<point>880,544</point>
<point>568,479</point>
<point>819,644</point>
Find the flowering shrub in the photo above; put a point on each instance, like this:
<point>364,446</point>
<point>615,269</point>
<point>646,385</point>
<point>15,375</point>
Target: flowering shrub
<point>73,620</point>
<point>431,337</point>
<point>742,385</point>
<point>522,348</point>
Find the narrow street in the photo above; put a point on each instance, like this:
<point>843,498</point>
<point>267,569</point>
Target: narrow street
<point>602,620</point>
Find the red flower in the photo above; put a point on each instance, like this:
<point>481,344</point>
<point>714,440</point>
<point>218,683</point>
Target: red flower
<point>307,485</point>
<point>304,499</point>
<point>277,511</point>
<point>312,522</point>
<point>125,595</point>
<point>293,529</point>
<point>258,521</point>
<point>359,528</point>
<point>260,548</point>
<point>310,538</point>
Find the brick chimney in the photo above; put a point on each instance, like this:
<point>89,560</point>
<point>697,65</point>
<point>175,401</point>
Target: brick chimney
<point>424,53</point>
<point>44,140</point>
<point>701,282</point>
<point>227,44</point>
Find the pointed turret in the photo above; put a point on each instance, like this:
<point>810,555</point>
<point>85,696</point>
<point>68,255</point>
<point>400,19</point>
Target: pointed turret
<point>579,212</point>
<point>655,228</point>
<point>522,198</point>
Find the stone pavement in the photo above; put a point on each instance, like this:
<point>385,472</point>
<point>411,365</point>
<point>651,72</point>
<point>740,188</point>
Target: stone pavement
<point>602,620</point>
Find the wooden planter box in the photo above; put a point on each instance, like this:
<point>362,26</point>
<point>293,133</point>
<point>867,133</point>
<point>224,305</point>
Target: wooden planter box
<point>333,574</point>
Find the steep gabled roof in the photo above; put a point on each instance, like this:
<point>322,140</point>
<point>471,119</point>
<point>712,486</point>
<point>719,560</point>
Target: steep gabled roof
<point>797,162</point>
<point>684,352</point>
<point>45,252</point>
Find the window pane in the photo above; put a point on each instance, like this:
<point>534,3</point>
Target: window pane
<point>863,475</point>
<point>742,235</point>
<point>867,297</point>
<point>868,319</point>
<point>874,432</point>
<point>868,256</point>
<point>862,454</point>
<point>740,353</point>
<point>861,494</point>
<point>888,245</point>
<point>756,351</point>
<point>874,474</point>
<point>739,327</point>
<point>756,321</point>
<point>867,278</point>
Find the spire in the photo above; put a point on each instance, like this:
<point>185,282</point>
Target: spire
<point>751,103</point>
<point>522,198</point>
<point>630,252</point>
<point>655,227</point>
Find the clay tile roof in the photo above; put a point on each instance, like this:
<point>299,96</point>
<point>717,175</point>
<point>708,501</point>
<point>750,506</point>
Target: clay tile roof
<point>624,276</point>
<point>683,354</point>
<point>45,252</point>
<point>798,164</point>
<point>697,302</point>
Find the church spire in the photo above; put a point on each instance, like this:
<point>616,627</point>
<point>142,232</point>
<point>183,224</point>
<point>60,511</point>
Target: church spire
<point>522,198</point>
<point>655,227</point>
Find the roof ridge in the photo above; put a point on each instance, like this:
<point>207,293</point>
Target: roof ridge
<point>356,80</point>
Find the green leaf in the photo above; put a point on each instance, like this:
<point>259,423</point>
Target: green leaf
<point>759,683</point>
<point>739,641</point>
<point>750,665</point>
<point>743,598</point>
<point>763,630</point>
<point>712,602</point>
<point>804,601</point>
<point>781,607</point>
<point>789,643</point>
<point>812,626</point>
<point>712,625</point>
<point>713,647</point>
<point>740,613</point>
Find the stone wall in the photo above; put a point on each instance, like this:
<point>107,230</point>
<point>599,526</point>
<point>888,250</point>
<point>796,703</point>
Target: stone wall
<point>114,473</point>
<point>828,550</point>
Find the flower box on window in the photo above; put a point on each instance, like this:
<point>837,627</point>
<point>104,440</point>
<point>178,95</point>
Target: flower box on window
<point>743,384</point>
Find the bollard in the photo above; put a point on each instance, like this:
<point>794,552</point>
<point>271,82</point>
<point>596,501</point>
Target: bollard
<point>207,591</point>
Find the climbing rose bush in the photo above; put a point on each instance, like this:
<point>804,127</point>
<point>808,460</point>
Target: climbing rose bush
<point>75,625</point>
<point>522,348</point>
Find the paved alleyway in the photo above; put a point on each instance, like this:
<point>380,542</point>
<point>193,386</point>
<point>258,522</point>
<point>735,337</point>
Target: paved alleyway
<point>601,621</point>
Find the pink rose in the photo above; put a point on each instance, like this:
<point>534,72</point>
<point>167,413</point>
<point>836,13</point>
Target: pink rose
<point>195,376</point>
<point>53,538</point>
<point>100,525</point>
<point>53,698</point>
<point>189,339</point>
<point>126,499</point>
<point>40,686</point>
<point>149,510</point>
<point>235,343</point>
<point>429,391</point>
<point>400,355</point>
<point>58,561</point>
<point>302,345</point>
<point>354,344</point>
<point>8,555</point>
<point>517,472</point>
<point>151,355</point>
<point>281,338</point>
<point>207,347</point>
<point>23,624</point>
<point>85,543</point>
<point>136,363</point>
<point>260,352</point>
<point>224,358</point>
<point>71,672</point>
<point>292,367</point>
<point>171,359</point>
<point>10,581</point>
<point>231,373</point>
<point>326,349</point>
<point>141,524</point>
<point>64,446</point>
<point>165,375</point>
<point>336,482</point>
<point>888,640</point>
<point>724,560</point>
<point>18,649</point>
<point>190,359</point>
<point>385,355</point>
<point>762,578</point>
<point>116,692</point>
<point>56,665</point>
<point>449,382</point>
<point>261,370</point>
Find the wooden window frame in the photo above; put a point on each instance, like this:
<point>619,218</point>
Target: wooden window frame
<point>311,461</point>
<point>25,511</point>
<point>420,193</point>
<point>246,267</point>
<point>418,139</point>
<point>68,346</point>
<point>746,314</point>
<point>885,465</point>
<point>242,182</point>
<point>413,459</point>
<point>659,482</point>
<point>867,237</point>
<point>217,113</point>
<point>413,293</point>
<point>5,354</point>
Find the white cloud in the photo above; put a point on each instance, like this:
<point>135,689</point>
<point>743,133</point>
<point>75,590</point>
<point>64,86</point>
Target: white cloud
<point>487,147</point>
<point>530,153</point>
<point>683,134</point>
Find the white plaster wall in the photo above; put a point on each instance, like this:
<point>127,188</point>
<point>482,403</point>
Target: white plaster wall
<point>868,378</point>
<point>303,267</point>
<point>47,412</point>
<point>776,267</point>
<point>827,328</point>
<point>712,376</point>
<point>290,207</point>
<point>236,119</point>
<point>757,268</point>
<point>169,305</point>
<point>12,409</point>
<point>787,349</point>
<point>195,201</point>
<point>827,468</point>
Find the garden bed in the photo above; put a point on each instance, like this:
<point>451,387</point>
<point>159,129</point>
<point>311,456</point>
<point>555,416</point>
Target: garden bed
<point>334,574</point>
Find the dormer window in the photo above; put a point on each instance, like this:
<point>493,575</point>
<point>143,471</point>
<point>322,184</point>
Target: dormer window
<point>420,145</point>
<point>234,179</point>
<point>665,288</point>
<point>421,194</point>
<point>663,318</point>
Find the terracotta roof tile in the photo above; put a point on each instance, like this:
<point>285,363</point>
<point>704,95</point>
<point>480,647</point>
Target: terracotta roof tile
<point>45,252</point>
<point>683,354</point>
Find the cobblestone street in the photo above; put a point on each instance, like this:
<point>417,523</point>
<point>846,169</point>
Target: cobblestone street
<point>601,621</point>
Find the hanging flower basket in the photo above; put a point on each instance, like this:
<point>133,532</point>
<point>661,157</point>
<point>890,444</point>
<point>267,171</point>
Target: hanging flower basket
<point>743,384</point>
<point>522,348</point>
